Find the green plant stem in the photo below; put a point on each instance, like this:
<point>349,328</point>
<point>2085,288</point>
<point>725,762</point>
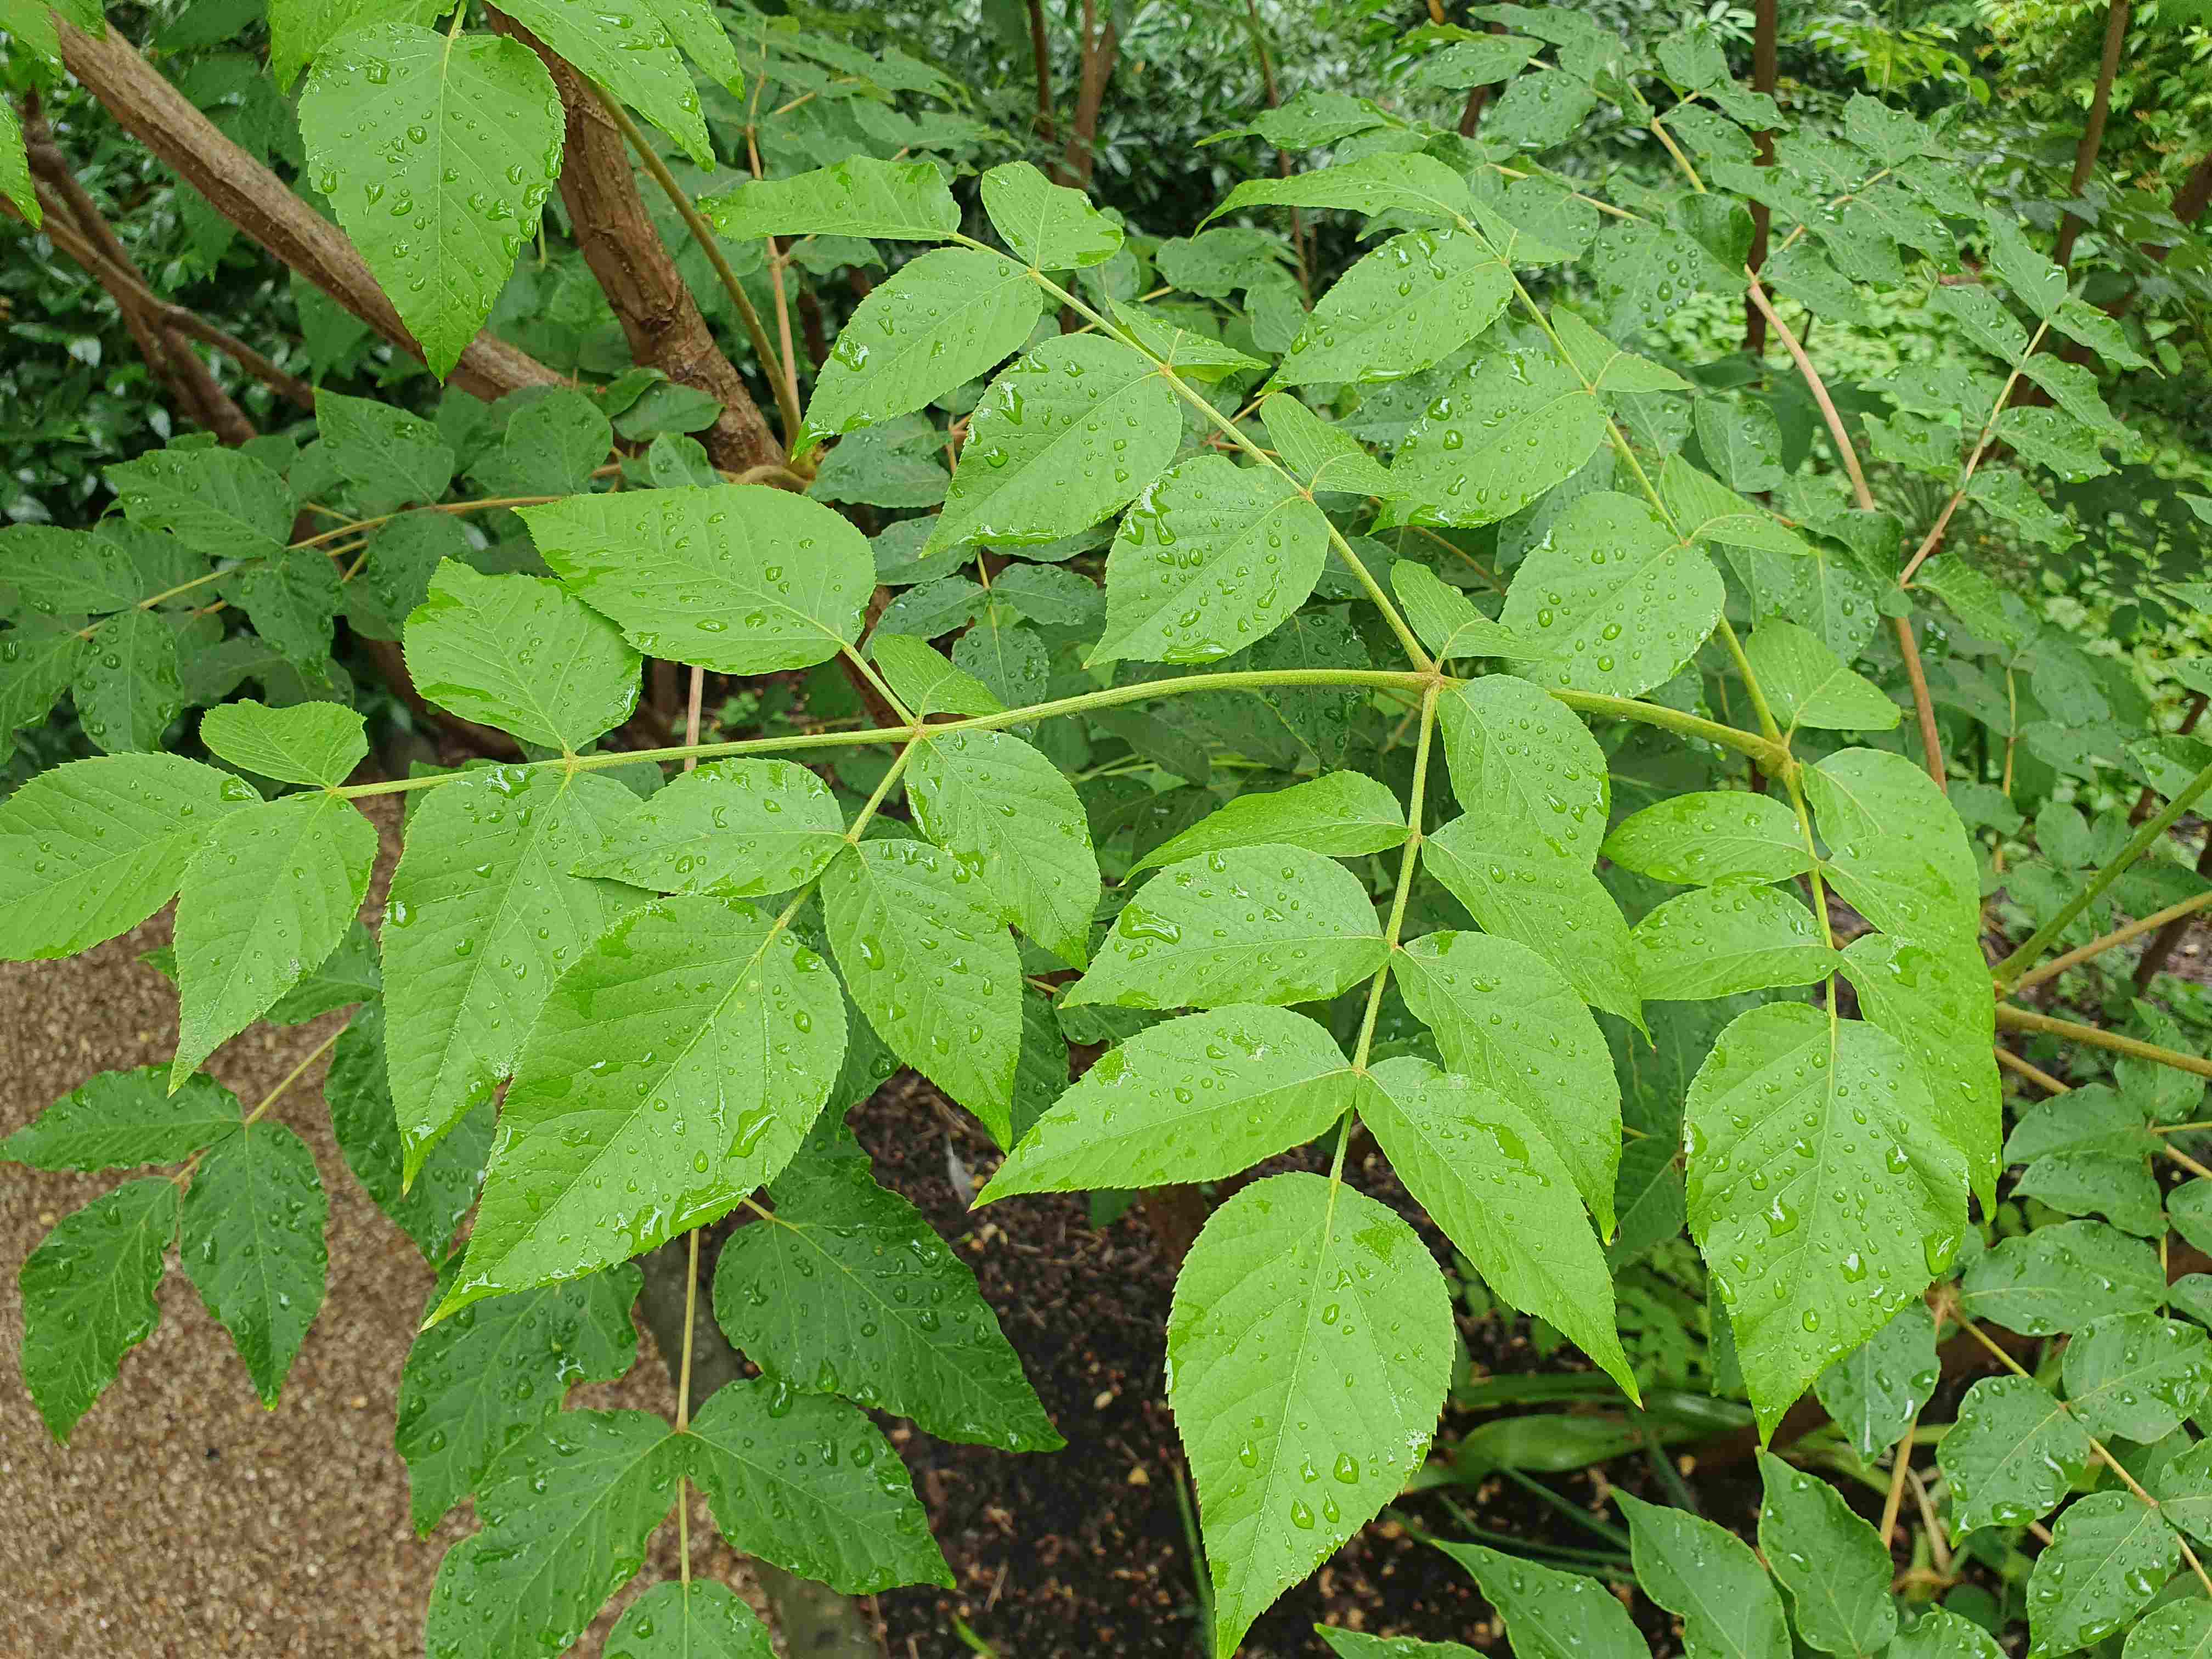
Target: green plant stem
<point>787,402</point>
<point>2024,1019</point>
<point>867,672</point>
<point>1581,1517</point>
<point>184,1176</point>
<point>2008,974</point>
<point>1759,703</point>
<point>2141,924</point>
<point>1407,864</point>
<point>1933,538</point>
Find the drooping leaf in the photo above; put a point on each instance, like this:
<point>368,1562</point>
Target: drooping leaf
<point>2013,1452</point>
<point>1373,184</point>
<point>2062,1277</point>
<point>861,196</point>
<point>634,56</point>
<point>88,1300</point>
<point>996,804</point>
<point>362,1118</point>
<point>127,685</point>
<point>1048,225</point>
<point>1308,1347</point>
<point>267,897</point>
<point>1821,1204</point>
<point>1896,848</point>
<point>1069,432</point>
<point>2109,1554</point>
<point>1717,941</point>
<point>1806,684</point>
<point>517,652</point>
<point>1835,1568</point>
<point>221,503</point>
<point>1873,1392</point>
<point>811,1485</point>
<point>252,1243</point>
<point>37,659</point>
<point>1357,1644</point>
<point>1411,302</point>
<point>567,1510</point>
<point>744,828</point>
<point>1709,1577</point>
<point>1518,423</point>
<point>476,1383</point>
<point>1548,1615</point>
<point>1318,454</point>
<point>2172,1630</point>
<point>1506,1019</point>
<point>681,1060</point>
<point>389,457</point>
<point>439,217</point>
<point>2137,1375</point>
<point>1521,889</point>
<point>700,1620</point>
<point>483,917</point>
<point>1445,619</point>
<point>310,742</point>
<point>740,578</point>
<point>1489,1175</point>
<point>1710,838</point>
<point>1273,924</point>
<point>1197,1098</point>
<point>844,1288</point>
<point>1342,814</point>
<point>117,1120</point>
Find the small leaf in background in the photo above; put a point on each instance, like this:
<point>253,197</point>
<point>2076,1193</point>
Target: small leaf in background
<point>1709,1577</point>
<point>88,1296</point>
<point>1742,440</point>
<point>310,742</point>
<point>252,1244</point>
<point>1835,1568</point>
<point>551,447</point>
<point>387,456</point>
<point>402,556</point>
<point>1731,835</point>
<point>1004,662</point>
<point>2013,1453</point>
<point>1259,1080</point>
<point>1445,619</point>
<point>1071,431</point>
<point>1273,924</point>
<point>738,1031</point>
<point>1874,1391</point>
<point>1048,225</point>
<point>113,838</point>
<point>1717,941</point>
<point>811,1485</point>
<point>519,653</point>
<point>844,1288</point>
<point>1808,684</point>
<point>1411,302</point>
<point>744,828</point>
<point>479,1382</point>
<point>2060,1276</point>
<point>1357,1645</point>
<point>861,196</point>
<point>1292,1458</point>
<point>924,682</point>
<point>117,1120</point>
<point>1342,814</point>
<point>741,578</point>
<point>1317,453</point>
<point>2109,1554</point>
<point>221,503</point>
<point>1548,1615</point>
<point>491,126</point>
<point>2137,1375</point>
<point>264,902</point>
<point>290,595</point>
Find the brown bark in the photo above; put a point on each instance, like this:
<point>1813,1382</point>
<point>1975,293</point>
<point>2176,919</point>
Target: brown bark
<point>616,235</point>
<point>259,204</point>
<point>1764,71</point>
<point>1102,43</point>
<point>2093,130</point>
<point>1040,53</point>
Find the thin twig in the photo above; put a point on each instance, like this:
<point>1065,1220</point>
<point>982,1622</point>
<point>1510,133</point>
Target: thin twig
<point>2023,1019</point>
<point>2118,936</point>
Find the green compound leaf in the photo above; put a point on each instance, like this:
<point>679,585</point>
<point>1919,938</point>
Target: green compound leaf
<point>1193,356</point>
<point>221,503</point>
<point>517,652</point>
<point>744,828</point>
<point>1718,941</point>
<point>1411,302</point>
<point>2108,1555</point>
<point>861,196</point>
<point>437,154</point>
<point>923,945</point>
<point>388,456</point>
<point>267,899</point>
<point>2012,1453</point>
<point>1820,1203</point>
<point>1067,434</point>
<point>949,316</point>
<point>127,686</point>
<point>476,1383</point>
<point>70,572</point>
<point>483,918</point>
<point>2175,1630</point>
<point>845,1288</point>
<point>1939,1634</point>
<point>1604,365</point>
<point>1001,808</point>
<point>1896,848</point>
<point>1446,621</point>
<point>311,742</point>
<point>1343,814</point>
<point>91,848</point>
<point>37,659</point>
<point>566,1512</point>
<point>1517,423</point>
<point>359,1090</point>
<point>1372,184</point>
<point>1934,999</point>
<point>1712,837</point>
<point>1613,598</point>
<point>1212,557</point>
<point>1308,1348</point>
<point>2062,1277</point>
<point>1193,1099</point>
<point>928,684</point>
<point>679,1062</point>
<point>1048,225</point>
<point>290,596</point>
<point>635,58</point>
<point>252,1244</point>
<point>1273,924</point>
<point>298,30</point>
<point>2183,1490</point>
<point>2137,1375</point>
<point>1548,1615</point>
<point>1874,1391</point>
<point>88,1296</point>
<point>738,578</point>
<point>1835,1568</point>
<point>1806,684</point>
<point>118,1119</point>
<point>694,1620</point>
<point>1318,454</point>
<point>1488,1174</point>
<point>1709,1577</point>
<point>811,1485</point>
<point>1357,1645</point>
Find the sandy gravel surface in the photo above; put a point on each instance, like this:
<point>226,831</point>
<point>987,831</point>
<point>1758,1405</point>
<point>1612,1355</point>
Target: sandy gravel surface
<point>183,1520</point>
